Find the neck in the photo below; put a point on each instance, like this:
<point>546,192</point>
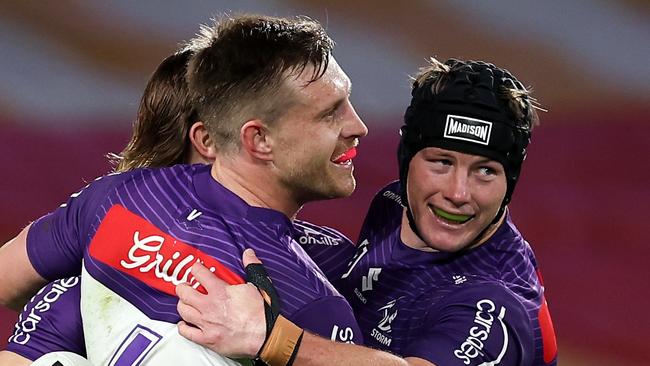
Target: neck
<point>254,184</point>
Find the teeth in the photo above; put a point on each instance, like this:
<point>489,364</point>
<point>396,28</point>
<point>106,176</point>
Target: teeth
<point>344,162</point>
<point>459,219</point>
<point>346,156</point>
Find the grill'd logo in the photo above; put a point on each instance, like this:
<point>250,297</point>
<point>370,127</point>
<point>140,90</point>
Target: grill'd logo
<point>134,246</point>
<point>468,129</point>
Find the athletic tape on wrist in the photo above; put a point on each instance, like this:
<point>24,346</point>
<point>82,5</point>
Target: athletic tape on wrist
<point>282,345</point>
<point>282,336</point>
<point>257,276</point>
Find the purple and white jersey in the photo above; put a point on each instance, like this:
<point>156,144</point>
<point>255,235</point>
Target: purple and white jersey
<point>138,234</point>
<point>484,306</point>
<point>50,322</point>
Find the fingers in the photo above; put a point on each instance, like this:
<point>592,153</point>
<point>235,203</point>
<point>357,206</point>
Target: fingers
<point>189,295</point>
<point>249,257</point>
<point>193,334</point>
<point>213,284</point>
<point>189,313</point>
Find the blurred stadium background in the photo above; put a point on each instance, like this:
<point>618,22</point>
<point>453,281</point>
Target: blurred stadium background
<point>71,74</point>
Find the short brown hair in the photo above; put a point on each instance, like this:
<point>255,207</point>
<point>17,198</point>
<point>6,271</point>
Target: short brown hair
<point>239,75</point>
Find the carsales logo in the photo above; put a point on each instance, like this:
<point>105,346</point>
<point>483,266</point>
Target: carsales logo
<point>29,319</point>
<point>132,245</point>
<point>478,335</point>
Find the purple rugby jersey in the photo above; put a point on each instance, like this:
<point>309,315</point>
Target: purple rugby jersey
<point>57,326</point>
<point>484,306</point>
<point>138,234</point>
<point>327,247</point>
<point>50,322</point>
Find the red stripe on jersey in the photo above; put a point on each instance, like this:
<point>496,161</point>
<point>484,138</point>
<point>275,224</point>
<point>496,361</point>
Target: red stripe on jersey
<point>549,343</point>
<point>132,245</point>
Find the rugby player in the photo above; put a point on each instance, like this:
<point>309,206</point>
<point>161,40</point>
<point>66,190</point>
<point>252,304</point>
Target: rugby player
<point>165,133</point>
<point>441,275</point>
<point>282,83</point>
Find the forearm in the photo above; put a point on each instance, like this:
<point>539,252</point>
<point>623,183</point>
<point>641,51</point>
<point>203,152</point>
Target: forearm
<point>13,359</point>
<point>19,280</point>
<point>317,351</point>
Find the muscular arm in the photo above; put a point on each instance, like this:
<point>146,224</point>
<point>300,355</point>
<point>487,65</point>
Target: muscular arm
<point>317,351</point>
<point>228,320</point>
<point>11,359</point>
<point>19,278</point>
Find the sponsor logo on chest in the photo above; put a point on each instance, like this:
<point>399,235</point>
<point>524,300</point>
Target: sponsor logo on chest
<point>367,283</point>
<point>384,327</point>
<point>134,246</point>
<point>312,237</point>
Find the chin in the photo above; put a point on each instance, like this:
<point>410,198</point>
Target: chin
<point>348,188</point>
<point>340,188</point>
<point>341,192</point>
<point>445,244</point>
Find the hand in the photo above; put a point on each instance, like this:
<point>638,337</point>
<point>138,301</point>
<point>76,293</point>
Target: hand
<point>229,319</point>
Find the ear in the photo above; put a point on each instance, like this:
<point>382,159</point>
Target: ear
<point>203,148</point>
<point>255,139</point>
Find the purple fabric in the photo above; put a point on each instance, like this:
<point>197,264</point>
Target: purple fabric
<point>423,304</point>
<point>335,326</point>
<point>51,321</point>
<point>327,247</point>
<point>225,227</point>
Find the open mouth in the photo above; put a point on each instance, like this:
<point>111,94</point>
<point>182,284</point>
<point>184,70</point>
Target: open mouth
<point>346,157</point>
<point>450,217</point>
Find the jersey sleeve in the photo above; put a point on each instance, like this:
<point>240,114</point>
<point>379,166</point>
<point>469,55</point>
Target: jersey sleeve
<point>50,322</point>
<point>476,325</point>
<point>330,317</point>
<point>56,242</point>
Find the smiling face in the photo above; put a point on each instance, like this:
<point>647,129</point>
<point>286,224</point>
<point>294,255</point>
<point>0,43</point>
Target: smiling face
<point>453,197</point>
<point>316,137</point>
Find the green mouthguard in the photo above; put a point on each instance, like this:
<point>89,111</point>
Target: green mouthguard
<point>451,217</point>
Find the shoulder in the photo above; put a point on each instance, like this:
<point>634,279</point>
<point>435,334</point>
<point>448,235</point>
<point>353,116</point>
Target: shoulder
<point>479,293</point>
<point>513,260</point>
<point>476,322</point>
<point>385,208</point>
<point>389,195</point>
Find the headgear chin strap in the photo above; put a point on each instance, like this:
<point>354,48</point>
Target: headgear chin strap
<point>469,116</point>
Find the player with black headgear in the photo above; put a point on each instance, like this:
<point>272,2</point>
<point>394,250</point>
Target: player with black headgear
<point>441,275</point>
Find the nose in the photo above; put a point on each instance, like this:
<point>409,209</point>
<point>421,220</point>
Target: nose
<point>354,126</point>
<point>457,190</point>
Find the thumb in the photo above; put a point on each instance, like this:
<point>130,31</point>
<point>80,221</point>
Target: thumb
<point>249,257</point>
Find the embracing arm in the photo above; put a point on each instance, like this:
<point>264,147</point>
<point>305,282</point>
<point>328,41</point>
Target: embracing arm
<point>230,320</point>
<point>8,358</point>
<point>317,351</point>
<point>19,279</point>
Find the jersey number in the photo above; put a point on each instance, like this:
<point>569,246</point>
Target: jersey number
<point>135,347</point>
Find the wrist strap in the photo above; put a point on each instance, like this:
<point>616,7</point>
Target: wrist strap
<point>281,347</point>
<point>257,276</point>
<point>282,336</point>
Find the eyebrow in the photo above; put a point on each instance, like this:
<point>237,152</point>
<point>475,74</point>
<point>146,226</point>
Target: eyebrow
<point>337,104</point>
<point>485,160</point>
